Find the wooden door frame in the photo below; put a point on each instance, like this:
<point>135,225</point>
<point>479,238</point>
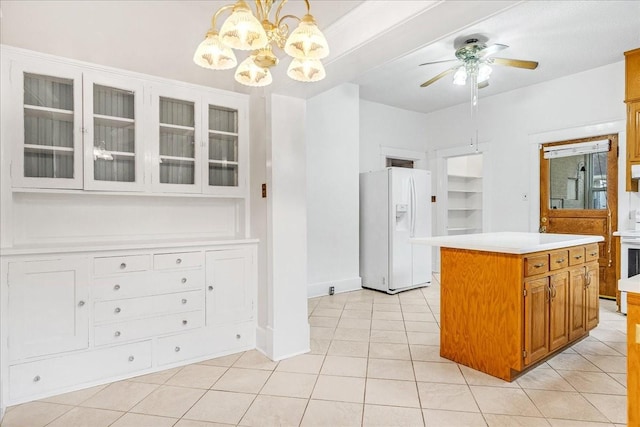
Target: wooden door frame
<point>611,249</point>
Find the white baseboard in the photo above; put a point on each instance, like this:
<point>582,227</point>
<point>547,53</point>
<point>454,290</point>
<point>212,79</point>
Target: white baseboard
<point>342,285</point>
<point>278,346</point>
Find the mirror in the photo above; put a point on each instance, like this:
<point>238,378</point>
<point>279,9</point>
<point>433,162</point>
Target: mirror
<point>578,182</point>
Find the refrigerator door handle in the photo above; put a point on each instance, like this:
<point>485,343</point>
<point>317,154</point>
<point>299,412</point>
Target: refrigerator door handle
<point>413,207</point>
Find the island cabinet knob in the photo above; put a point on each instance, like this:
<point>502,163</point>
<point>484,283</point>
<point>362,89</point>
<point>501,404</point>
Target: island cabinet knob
<point>577,257</point>
<point>184,300</point>
<point>116,288</point>
<point>560,261</point>
<point>539,265</point>
<point>177,349</point>
<point>117,310</point>
<point>36,378</point>
<point>81,304</point>
<point>184,322</point>
<point>178,261</point>
<point>116,334</point>
<point>123,266</point>
<point>131,358</point>
<point>210,288</point>
<point>238,336</point>
<point>184,280</point>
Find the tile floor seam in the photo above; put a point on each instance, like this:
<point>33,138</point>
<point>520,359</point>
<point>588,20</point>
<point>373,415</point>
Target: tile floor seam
<point>61,415</point>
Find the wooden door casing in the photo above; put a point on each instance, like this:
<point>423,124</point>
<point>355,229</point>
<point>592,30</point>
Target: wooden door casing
<point>599,222</point>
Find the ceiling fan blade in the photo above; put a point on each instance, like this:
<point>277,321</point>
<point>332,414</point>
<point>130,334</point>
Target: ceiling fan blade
<point>439,76</point>
<point>437,62</point>
<point>483,84</point>
<point>518,63</point>
<point>490,50</point>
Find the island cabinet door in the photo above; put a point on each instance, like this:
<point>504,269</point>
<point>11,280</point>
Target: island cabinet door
<point>592,291</point>
<point>577,303</point>
<point>558,307</point>
<point>536,320</point>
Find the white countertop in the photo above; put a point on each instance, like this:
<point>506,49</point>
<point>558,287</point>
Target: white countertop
<point>509,242</point>
<point>632,284</point>
<point>627,233</point>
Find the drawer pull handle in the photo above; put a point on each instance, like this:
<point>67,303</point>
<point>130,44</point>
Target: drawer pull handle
<point>577,257</point>
<point>131,358</point>
<point>594,253</point>
<point>178,261</point>
<point>560,261</point>
<point>184,322</point>
<point>117,334</point>
<point>117,310</point>
<point>36,378</point>
<point>184,300</point>
<point>123,266</point>
<point>184,280</point>
<point>177,349</point>
<point>238,336</point>
<point>81,303</point>
<point>116,288</point>
<point>210,288</point>
<point>542,264</point>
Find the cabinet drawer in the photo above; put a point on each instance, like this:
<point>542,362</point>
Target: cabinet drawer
<point>147,283</point>
<point>177,260</point>
<point>536,264</point>
<point>593,252</point>
<point>120,264</point>
<point>44,376</point>
<point>558,260</point>
<point>117,310</point>
<point>203,341</point>
<point>143,328</point>
<point>576,255</point>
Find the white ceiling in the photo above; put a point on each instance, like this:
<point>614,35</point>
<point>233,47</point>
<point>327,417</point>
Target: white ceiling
<point>376,44</point>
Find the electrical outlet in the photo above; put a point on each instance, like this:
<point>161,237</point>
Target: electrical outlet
<point>332,290</point>
<point>525,197</point>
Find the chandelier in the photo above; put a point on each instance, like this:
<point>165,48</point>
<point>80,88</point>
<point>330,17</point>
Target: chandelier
<point>259,33</point>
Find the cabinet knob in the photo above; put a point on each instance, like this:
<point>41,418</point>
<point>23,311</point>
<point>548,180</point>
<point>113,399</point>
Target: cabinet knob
<point>238,336</point>
<point>184,280</point>
<point>594,253</point>
<point>577,256</point>
<point>178,261</point>
<point>116,334</point>
<point>81,303</point>
<point>116,288</point>
<point>177,349</point>
<point>210,288</point>
<point>36,378</point>
<point>131,358</point>
<point>117,310</point>
<point>123,266</point>
<point>539,265</point>
<point>184,322</point>
<point>560,261</point>
<point>184,300</point>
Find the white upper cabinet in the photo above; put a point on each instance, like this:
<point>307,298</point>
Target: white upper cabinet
<point>47,136</point>
<point>113,133</point>
<point>80,127</point>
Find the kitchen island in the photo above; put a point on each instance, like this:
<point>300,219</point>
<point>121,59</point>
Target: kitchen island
<point>511,300</point>
<point>631,286</point>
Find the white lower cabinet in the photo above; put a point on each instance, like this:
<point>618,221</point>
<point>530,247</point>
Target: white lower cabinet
<point>76,321</point>
<point>48,307</point>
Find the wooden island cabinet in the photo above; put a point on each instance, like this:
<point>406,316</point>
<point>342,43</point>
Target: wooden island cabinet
<point>511,300</point>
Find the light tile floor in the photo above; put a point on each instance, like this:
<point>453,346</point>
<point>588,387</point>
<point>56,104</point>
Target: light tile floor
<point>374,361</point>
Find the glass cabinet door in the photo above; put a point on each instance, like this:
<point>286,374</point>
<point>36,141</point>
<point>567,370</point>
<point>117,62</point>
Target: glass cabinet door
<point>177,154</point>
<point>51,155</point>
<point>223,159</point>
<point>113,142</point>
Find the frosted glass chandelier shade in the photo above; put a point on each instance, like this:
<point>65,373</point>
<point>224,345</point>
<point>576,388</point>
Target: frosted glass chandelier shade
<point>307,41</point>
<point>242,30</point>
<point>250,74</point>
<point>306,70</point>
<point>482,71</point>
<point>460,76</point>
<point>212,54</point>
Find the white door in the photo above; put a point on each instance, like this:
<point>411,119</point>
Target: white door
<point>228,280</point>
<point>400,227</point>
<point>48,307</point>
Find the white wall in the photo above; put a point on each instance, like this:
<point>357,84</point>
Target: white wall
<point>508,123</point>
<point>384,126</point>
<point>332,137</point>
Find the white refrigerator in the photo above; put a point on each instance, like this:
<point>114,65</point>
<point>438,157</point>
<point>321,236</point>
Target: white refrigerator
<point>395,205</point>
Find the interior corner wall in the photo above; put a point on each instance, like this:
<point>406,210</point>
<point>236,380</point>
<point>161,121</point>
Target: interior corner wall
<point>287,328</point>
<point>333,190</point>
<point>385,126</point>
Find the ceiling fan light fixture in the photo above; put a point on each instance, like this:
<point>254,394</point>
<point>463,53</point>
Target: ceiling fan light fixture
<point>484,71</point>
<point>460,76</point>
<point>214,55</point>
<point>242,30</point>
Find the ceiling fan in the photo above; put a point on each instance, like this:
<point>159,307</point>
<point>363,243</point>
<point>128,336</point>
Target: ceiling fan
<point>476,60</point>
